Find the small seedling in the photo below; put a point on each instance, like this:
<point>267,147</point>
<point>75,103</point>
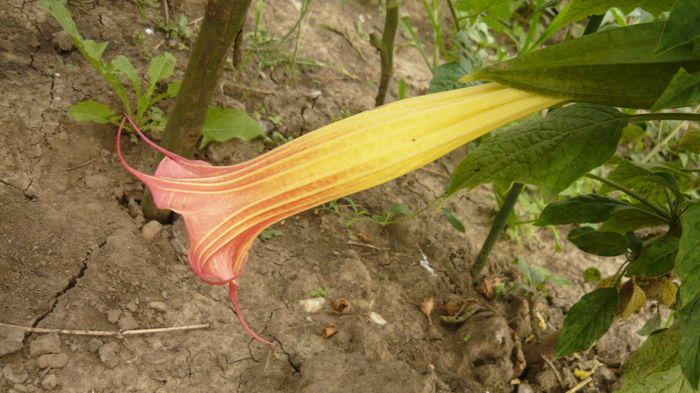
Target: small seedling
<point>220,124</point>
<point>269,234</point>
<point>320,292</point>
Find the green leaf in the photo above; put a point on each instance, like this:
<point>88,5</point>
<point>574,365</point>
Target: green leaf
<point>624,221</point>
<point>683,90</point>
<point>454,221</point>
<point>499,9</point>
<point>222,125</point>
<point>62,16</point>
<point>160,68</point>
<point>551,152</point>
<point>91,111</point>
<point>616,67</point>
<point>658,353</point>
<point>446,76</point>
<point>587,321</point>
<point>635,176</point>
<point>656,259</point>
<point>604,244</point>
<point>581,209</point>
<point>690,338</point>
<point>667,180</point>
<point>592,274</point>
<point>690,141</point>
<point>399,209</point>
<point>671,381</point>
<point>122,64</point>
<point>650,326</point>
<point>579,9</point>
<point>688,258</point>
<point>682,25</point>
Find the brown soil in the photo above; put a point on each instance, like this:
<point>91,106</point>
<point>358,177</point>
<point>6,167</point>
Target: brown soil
<point>73,254</point>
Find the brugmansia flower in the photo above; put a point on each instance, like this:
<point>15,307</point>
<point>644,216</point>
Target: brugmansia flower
<point>225,208</point>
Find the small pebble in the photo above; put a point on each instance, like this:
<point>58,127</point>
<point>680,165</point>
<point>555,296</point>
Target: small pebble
<point>158,306</point>
<point>151,229</point>
<point>132,306</point>
<point>49,382</point>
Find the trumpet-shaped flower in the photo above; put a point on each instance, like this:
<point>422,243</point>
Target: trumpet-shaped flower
<point>225,208</point>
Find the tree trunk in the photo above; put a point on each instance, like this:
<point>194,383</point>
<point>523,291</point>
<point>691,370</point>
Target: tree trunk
<point>223,20</point>
<point>386,49</point>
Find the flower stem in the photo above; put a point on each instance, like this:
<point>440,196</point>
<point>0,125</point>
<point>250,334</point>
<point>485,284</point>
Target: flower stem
<point>498,224</point>
<point>658,210</point>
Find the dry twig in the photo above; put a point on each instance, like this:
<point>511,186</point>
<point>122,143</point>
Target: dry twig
<point>113,333</point>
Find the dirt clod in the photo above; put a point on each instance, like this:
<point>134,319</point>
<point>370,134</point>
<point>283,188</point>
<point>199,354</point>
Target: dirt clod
<point>15,373</point>
<point>109,354</point>
<point>11,340</point>
<point>47,343</point>
<point>151,229</point>
<point>54,360</point>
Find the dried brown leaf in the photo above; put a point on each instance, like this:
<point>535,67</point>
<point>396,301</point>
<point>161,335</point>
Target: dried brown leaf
<point>341,305</point>
<point>329,331</point>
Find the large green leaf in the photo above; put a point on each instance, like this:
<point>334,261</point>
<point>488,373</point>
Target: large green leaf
<point>605,244</point>
<point>615,67</point>
<point>551,152</point>
<point>91,111</point>
<point>624,221</point>
<point>682,25</point>
<point>637,177</point>
<point>161,67</point>
<point>671,381</point>
<point>658,353</point>
<point>688,258</point>
<point>688,269</point>
<point>690,339</point>
<point>222,125</point>
<point>446,76</point>
<point>656,259</point>
<point>587,321</point>
<point>690,141</point>
<point>581,209</point>
<point>683,90</point>
<point>122,64</point>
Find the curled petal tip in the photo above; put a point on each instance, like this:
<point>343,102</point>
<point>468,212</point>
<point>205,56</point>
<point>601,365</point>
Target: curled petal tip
<point>233,289</point>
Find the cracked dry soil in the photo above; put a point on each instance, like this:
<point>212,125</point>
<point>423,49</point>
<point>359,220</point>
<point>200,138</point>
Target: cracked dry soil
<point>75,252</point>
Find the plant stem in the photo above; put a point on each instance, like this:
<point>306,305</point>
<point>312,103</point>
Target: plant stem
<point>438,45</point>
<point>496,228</point>
<point>658,210</point>
<point>664,116</point>
<point>500,222</point>
<point>453,12</point>
<point>386,49</point>
<point>223,19</point>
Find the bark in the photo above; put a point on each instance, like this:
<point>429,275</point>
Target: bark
<point>386,49</point>
<point>223,20</point>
